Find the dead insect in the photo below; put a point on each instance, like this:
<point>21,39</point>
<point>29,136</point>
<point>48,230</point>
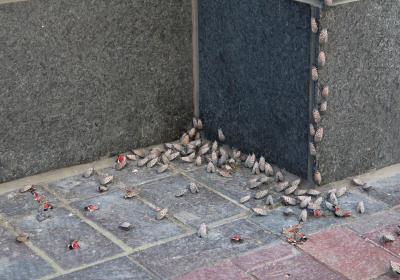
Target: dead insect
<point>388,237</point>
<point>211,167</point>
<point>174,156</point>
<point>161,214</point>
<point>269,171</point>
<point>300,192</point>
<point>325,91</point>
<point>266,180</point>
<point>361,207</point>
<point>312,129</point>
<point>74,244</point>
<point>304,203</point>
<point>395,267</point>
<point>102,188</point>
<point>321,59</point>
<point>120,162</point>
<point>261,164</point>
<point>27,188</point>
<point>313,150</point>
<point>143,161</point>
<point>185,139</point>
<point>282,186</point>
<point>131,157</point>
<point>316,116</point>
<point>318,201</point>
<point>199,124</point>
<point>130,193</point>
<point>287,200</point>
<point>91,208</point>
<point>193,187</point>
<point>317,178</point>
<point>198,161</point>
<point>260,211</point>
<point>269,200</point>
<point>261,194</point>
<point>323,36</point>
<point>192,132</point>
<point>313,192</point>
<point>256,169</point>
<point>279,176</point>
<point>125,226</point>
<point>319,134</point>
<point>221,135</point>
<point>181,193</point>
<point>236,238</point>
<point>202,232</point>
<point>88,173</point>
<point>333,199</point>
<point>329,206</point>
<point>357,182</point>
<point>224,173</point>
<point>139,152</point>
<point>342,213</point>
<point>291,189</point>
<point>314,73</point>
<point>340,192</point>
<point>22,237</point>
<point>152,162</point>
<point>303,216</point>
<point>254,184</point>
<point>314,25</point>
<point>245,199</point>
<point>162,168</point>
<point>106,180</point>
<point>323,106</point>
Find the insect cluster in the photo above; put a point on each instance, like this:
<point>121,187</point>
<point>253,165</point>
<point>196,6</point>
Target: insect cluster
<point>316,130</point>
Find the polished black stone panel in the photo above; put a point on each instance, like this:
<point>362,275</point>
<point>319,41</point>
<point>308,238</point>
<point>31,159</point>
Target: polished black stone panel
<point>254,76</point>
<point>82,78</point>
<point>362,124</point>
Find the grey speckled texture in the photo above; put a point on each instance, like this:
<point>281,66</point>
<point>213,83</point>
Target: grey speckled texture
<point>83,78</point>
<point>254,75</point>
<point>363,67</point>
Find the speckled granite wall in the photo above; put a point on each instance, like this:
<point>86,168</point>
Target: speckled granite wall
<point>83,78</point>
<point>362,127</point>
<point>254,74</point>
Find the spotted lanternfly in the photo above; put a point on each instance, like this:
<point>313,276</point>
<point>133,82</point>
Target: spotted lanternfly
<point>323,106</point>
<point>333,198</point>
<point>340,192</point>
<point>329,206</point>
<point>328,2</point>
<point>269,200</point>
<point>221,135</point>
<point>261,194</point>
<point>319,134</point>
<point>202,232</point>
<point>152,162</point>
<point>300,192</point>
<point>260,211</point>
<point>245,199</point>
<point>281,186</point>
<point>47,206</point>
<point>316,116</point>
<point>139,152</point>
<point>91,208</point>
<point>199,124</point>
<point>161,214</point>
<point>313,192</point>
<point>317,213</point>
<point>193,188</point>
<point>198,161</point>
<point>313,151</point>
<point>325,91</point>
<point>252,161</point>
<point>181,193</point>
<point>256,169</point>
<point>174,156</point>
<point>318,201</point>
<point>357,182</point>
<point>321,59</point>
<point>314,73</point>
<point>287,200</point>
<point>314,25</point>
<point>37,197</point>
<point>304,203</point>
<point>317,178</point>
<point>342,213</point>
<point>395,267</point>
<point>131,157</point>
<point>261,164</point>
<point>106,180</point>
<point>269,171</point>
<point>73,245</point>
<point>254,184</point>
<point>22,237</point>
<point>103,188</point>
<point>192,132</point>
<point>236,238</point>
<point>288,211</point>
<point>211,167</point>
<point>266,179</point>
<point>214,158</point>
<point>185,139</point>
<point>125,226</point>
<point>303,216</point>
<point>88,173</point>
<point>27,188</point>
<point>279,176</point>
<point>162,168</point>
<point>291,189</point>
<point>361,207</point>
<point>121,162</point>
<point>323,36</point>
<point>386,238</point>
<point>312,130</point>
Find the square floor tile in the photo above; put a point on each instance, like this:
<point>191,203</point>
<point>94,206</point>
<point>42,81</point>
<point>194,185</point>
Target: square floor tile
<point>347,253</point>
<point>192,209</point>
<point>187,254</point>
<point>54,234</point>
<point>114,209</point>
<point>17,261</point>
<point>119,269</point>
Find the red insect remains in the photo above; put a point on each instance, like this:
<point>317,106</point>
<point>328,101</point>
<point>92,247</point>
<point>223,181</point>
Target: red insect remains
<point>237,238</point>
<point>91,208</point>
<point>47,206</point>
<point>74,245</point>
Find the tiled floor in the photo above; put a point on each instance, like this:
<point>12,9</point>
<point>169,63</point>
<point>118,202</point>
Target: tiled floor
<point>337,248</point>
